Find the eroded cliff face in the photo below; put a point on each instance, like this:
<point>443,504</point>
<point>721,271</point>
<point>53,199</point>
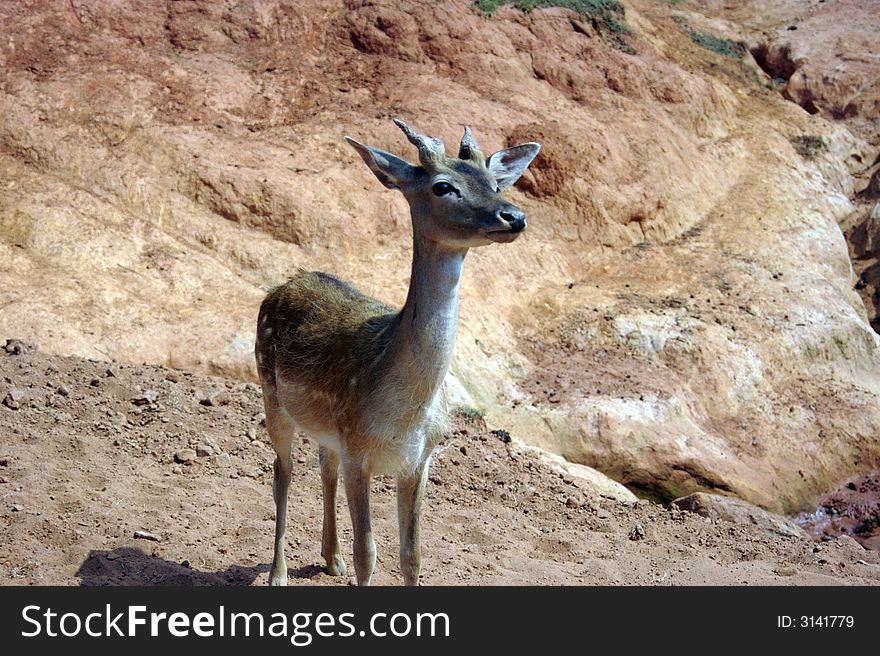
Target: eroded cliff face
<point>680,313</point>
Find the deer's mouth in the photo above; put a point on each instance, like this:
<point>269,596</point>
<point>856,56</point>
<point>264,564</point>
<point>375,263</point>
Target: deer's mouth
<point>504,235</point>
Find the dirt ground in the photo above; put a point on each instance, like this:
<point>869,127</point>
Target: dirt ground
<point>92,453</point>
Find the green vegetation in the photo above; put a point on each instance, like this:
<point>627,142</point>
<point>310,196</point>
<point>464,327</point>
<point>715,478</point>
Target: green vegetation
<point>470,412</point>
<point>724,47</point>
<point>808,145</point>
<point>607,16</point>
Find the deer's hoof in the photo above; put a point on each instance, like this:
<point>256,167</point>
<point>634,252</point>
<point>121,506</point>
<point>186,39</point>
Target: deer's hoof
<point>278,579</point>
<point>336,566</point>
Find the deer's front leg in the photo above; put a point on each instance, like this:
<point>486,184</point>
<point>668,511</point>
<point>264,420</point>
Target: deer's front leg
<point>410,490</point>
<point>357,491</point>
<point>329,537</point>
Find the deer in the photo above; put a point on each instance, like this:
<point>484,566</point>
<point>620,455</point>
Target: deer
<point>364,380</point>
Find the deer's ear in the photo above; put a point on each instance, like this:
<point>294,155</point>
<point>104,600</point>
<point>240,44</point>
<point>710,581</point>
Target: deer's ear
<point>509,164</point>
<point>392,171</point>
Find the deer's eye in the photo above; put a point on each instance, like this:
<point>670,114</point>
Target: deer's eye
<point>442,188</point>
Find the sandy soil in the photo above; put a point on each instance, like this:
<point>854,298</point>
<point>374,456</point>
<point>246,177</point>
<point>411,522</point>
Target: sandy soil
<point>90,453</point>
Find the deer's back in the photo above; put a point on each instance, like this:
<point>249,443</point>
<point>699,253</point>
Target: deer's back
<point>322,339</point>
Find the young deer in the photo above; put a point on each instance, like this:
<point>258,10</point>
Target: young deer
<point>364,380</point>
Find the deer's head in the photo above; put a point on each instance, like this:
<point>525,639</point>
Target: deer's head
<point>455,201</point>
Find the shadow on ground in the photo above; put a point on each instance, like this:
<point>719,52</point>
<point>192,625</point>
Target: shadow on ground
<point>130,566</point>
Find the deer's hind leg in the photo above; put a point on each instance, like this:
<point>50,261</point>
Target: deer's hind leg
<point>329,537</point>
<point>281,430</point>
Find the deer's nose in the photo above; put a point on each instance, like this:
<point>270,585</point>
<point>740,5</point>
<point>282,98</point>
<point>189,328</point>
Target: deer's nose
<point>513,217</point>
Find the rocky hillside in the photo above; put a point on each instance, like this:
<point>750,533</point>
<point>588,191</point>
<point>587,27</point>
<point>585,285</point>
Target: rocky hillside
<point>680,315</point>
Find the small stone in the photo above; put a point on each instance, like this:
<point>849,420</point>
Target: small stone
<point>95,382</point>
<point>204,450</point>
<point>572,502</point>
<point>15,397</point>
<point>637,532</point>
<point>261,419</point>
<point>3,480</point>
<point>251,433</point>
<point>784,570</point>
<point>463,450</point>
<point>185,456</point>
<point>149,396</point>
<point>185,563</point>
<point>110,373</point>
<point>62,390</point>
<point>172,377</point>
<point>14,347</point>
<point>220,459</point>
<point>251,387</point>
<point>146,535</point>
<point>858,562</point>
<point>502,435</point>
<point>17,507</point>
<point>220,398</point>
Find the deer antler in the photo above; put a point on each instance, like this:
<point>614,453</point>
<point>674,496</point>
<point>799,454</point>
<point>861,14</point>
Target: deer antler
<point>431,150</point>
<point>469,148</point>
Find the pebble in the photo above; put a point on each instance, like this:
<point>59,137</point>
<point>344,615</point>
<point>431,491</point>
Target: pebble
<point>637,532</point>
<point>220,398</point>
<point>185,456</point>
<point>149,396</point>
<point>62,390</point>
<point>14,398</point>
<point>17,507</point>
<point>14,347</point>
<point>205,449</point>
<point>172,377</point>
<point>251,433</point>
<point>3,480</point>
<point>221,459</point>
<point>95,382</point>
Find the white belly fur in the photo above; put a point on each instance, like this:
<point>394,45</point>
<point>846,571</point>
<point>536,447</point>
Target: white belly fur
<point>391,454</point>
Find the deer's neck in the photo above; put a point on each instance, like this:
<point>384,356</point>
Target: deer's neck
<point>425,337</point>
